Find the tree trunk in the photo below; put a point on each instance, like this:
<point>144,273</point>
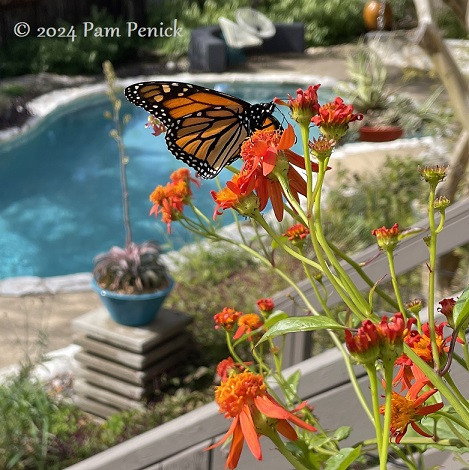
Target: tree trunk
<point>430,39</point>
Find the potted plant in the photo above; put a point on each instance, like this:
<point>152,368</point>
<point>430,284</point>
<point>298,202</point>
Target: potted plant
<point>131,281</point>
<point>386,115</point>
<point>367,90</point>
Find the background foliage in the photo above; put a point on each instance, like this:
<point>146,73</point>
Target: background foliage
<point>326,23</point>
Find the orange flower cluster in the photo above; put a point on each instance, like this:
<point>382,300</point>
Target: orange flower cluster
<point>421,344</point>
<point>385,341</point>
<point>169,200</point>
<point>246,324</point>
<point>266,154</point>
<point>409,409</point>
<point>333,118</point>
<point>226,318</point>
<point>378,341</point>
<point>244,397</point>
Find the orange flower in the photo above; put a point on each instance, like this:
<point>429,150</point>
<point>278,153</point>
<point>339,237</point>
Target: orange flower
<point>266,154</point>
<point>421,344</point>
<point>266,305</point>
<point>236,195</point>
<point>169,200</point>
<point>378,341</point>
<point>226,318</point>
<point>244,398</point>
<point>247,323</point>
<point>333,118</point>
<point>304,106</point>
<point>387,238</point>
<point>407,410</point>
<point>296,233</point>
<point>227,367</point>
<point>183,174</point>
<point>364,345</point>
<point>446,308</point>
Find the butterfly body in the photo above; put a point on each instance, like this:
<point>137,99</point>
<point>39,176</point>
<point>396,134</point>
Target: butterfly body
<point>205,128</point>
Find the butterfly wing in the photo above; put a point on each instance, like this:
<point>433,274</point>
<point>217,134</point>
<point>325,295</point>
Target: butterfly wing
<point>205,128</point>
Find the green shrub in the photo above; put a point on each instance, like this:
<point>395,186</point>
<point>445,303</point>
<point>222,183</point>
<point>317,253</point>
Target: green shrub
<point>13,90</point>
<point>62,55</point>
<point>358,204</point>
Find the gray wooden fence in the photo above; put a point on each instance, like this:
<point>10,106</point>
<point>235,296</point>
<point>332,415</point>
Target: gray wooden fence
<point>180,443</point>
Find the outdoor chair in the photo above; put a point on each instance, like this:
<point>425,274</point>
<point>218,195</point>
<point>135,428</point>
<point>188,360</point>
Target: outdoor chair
<point>237,39</point>
<point>255,22</point>
<point>236,36</point>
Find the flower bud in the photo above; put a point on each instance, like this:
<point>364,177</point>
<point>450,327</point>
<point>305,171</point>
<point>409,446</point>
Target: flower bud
<point>387,238</point>
<point>433,174</point>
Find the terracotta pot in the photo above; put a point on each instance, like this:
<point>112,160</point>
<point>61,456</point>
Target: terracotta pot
<point>371,13</point>
<point>380,133</point>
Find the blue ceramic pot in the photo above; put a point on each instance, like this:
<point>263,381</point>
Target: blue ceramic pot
<point>132,309</point>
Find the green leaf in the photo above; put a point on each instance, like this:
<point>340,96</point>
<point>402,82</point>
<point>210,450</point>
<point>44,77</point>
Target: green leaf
<point>293,382</point>
<point>296,324</point>
<point>342,433</point>
<point>461,309</point>
<point>274,318</point>
<point>343,459</point>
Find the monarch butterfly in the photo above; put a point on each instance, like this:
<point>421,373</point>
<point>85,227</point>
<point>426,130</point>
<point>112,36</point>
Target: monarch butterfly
<point>205,128</point>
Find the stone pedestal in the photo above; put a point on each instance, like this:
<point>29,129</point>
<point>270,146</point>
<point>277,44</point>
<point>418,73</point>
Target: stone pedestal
<point>117,365</point>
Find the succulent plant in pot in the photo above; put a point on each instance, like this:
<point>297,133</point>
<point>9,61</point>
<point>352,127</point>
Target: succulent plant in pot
<point>132,282</point>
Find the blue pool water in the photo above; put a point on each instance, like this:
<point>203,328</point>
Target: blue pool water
<point>60,188</point>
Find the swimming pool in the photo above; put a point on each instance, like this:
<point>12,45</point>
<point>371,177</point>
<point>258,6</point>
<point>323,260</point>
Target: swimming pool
<point>60,187</point>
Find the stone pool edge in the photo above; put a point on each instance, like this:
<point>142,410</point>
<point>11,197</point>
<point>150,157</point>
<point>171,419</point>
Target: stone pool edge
<point>46,104</point>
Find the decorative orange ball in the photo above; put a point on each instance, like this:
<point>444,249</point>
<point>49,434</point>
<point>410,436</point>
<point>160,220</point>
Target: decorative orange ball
<point>371,13</point>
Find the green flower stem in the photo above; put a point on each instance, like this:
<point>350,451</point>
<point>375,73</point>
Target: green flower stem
<point>261,221</point>
<point>442,222</point>
<point>439,383</point>
<point>336,283</point>
<point>458,434</point>
<point>263,247</point>
<point>383,455</point>
<point>364,276</point>
<point>410,464</point>
<point>354,293</point>
<point>309,306</point>
<point>304,128</point>
<point>395,284</point>
<point>431,280</point>
<point>353,377</point>
<point>238,225</point>
<point>456,391</point>
<point>452,418</point>
<point>320,298</point>
<point>371,371</point>
<point>293,202</point>
<point>234,354</point>
<point>466,352</point>
<point>419,441</point>
<point>315,230</point>
<point>263,369</point>
<point>282,448</point>
<point>200,215</point>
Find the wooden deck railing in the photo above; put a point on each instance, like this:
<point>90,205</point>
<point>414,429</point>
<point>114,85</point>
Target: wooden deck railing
<point>180,443</point>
